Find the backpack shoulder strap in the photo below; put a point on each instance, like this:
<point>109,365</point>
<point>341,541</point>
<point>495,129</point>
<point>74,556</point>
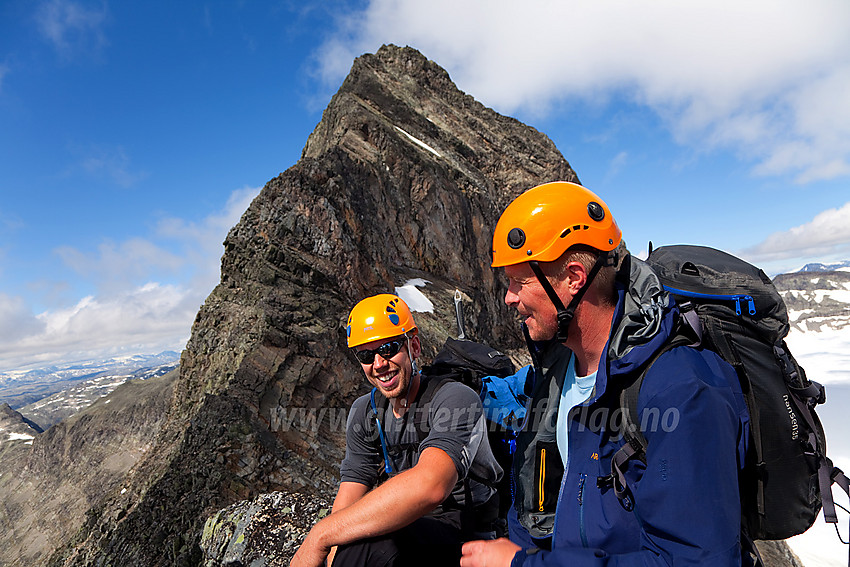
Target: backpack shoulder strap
<point>383,403</point>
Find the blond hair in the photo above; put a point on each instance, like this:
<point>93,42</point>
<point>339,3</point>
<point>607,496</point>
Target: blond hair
<point>603,283</point>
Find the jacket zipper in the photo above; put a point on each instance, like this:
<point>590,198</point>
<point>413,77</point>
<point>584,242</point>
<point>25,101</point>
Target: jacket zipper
<point>581,527</point>
<point>541,478</point>
<point>737,298</point>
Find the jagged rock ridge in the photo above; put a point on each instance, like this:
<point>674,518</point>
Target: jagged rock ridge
<point>13,422</point>
<point>403,178</point>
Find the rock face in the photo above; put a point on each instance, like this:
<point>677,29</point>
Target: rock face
<point>816,301</point>
<point>48,489</point>
<point>403,178</point>
<point>13,422</point>
<point>264,532</point>
<point>16,433</point>
<point>777,554</point>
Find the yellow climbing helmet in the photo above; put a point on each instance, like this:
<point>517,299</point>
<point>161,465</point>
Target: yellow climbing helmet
<point>544,221</point>
<point>379,317</point>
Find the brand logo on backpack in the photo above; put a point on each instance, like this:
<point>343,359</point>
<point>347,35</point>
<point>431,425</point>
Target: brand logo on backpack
<point>795,429</point>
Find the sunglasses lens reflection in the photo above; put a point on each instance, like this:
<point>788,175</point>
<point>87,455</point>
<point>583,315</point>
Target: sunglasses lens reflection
<point>386,350</point>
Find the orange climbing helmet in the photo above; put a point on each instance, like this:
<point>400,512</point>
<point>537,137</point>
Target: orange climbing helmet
<point>379,317</point>
<point>544,221</point>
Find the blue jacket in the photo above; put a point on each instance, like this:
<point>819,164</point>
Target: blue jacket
<point>686,499</point>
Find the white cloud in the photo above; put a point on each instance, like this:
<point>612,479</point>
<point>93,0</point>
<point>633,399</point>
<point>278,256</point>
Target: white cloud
<point>769,78</point>
<point>617,163</point>
<point>112,164</point>
<point>72,27</point>
<point>179,249</point>
<point>131,311</point>
<point>149,318</point>
<point>16,319</point>
<point>827,235</point>
<point>118,264</point>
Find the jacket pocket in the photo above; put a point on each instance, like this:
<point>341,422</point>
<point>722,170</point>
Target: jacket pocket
<point>548,471</point>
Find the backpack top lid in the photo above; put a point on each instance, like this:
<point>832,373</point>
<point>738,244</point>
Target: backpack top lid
<point>477,357</point>
<point>707,276</point>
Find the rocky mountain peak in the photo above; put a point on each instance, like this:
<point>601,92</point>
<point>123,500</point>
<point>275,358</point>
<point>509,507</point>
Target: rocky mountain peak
<point>14,423</point>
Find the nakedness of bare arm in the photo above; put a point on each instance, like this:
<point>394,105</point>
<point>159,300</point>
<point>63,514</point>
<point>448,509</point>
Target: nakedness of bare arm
<point>391,506</point>
<point>348,494</point>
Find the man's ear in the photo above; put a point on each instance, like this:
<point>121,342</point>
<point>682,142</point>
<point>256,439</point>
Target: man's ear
<point>415,346</point>
<point>575,276</point>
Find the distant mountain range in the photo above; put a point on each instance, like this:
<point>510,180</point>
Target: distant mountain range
<point>816,299</point>
<point>61,405</point>
<point>818,267</point>
<point>21,387</point>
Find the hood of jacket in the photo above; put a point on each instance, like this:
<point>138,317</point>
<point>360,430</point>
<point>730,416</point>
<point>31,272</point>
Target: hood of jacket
<point>643,321</point>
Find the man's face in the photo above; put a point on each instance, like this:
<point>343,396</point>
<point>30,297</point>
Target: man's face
<point>528,297</point>
<point>391,374</point>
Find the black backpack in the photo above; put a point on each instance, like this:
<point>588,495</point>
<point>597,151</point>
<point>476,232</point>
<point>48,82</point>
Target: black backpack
<point>467,362</point>
<point>734,309</point>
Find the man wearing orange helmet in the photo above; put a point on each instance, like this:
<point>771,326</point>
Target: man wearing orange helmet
<point>427,439</point>
<point>595,318</point>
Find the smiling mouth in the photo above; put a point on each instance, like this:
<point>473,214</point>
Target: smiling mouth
<point>387,377</point>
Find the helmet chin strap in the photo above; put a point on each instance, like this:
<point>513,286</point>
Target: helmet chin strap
<point>566,314</point>
<point>414,370</point>
<point>413,365</point>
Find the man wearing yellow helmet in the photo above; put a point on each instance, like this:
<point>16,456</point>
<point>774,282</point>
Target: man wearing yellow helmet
<point>595,318</point>
<point>426,437</point>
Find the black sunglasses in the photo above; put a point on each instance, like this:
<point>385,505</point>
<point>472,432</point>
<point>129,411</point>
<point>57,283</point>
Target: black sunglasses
<point>386,350</point>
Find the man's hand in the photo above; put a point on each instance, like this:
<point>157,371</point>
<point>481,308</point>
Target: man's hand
<point>489,553</point>
<point>310,554</point>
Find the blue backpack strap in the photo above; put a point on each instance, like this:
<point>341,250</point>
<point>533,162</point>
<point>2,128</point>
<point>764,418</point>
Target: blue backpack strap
<point>388,468</point>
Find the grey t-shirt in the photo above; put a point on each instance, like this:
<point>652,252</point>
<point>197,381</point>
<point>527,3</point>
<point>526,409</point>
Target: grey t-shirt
<point>456,425</point>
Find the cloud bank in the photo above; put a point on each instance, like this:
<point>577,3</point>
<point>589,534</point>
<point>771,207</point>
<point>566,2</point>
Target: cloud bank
<point>768,79</point>
<point>826,236</point>
<point>134,309</point>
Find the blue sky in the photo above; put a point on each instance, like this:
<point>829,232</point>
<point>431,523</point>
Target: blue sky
<point>134,134</point>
